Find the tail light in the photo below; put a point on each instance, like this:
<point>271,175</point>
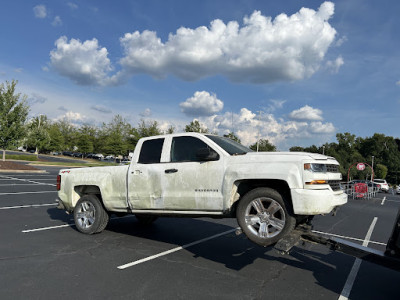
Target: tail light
<point>58,182</point>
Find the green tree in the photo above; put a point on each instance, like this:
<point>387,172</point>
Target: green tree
<point>38,135</point>
<point>56,138</point>
<point>263,146</point>
<point>145,129</point>
<point>296,149</point>
<point>195,126</point>
<point>233,137</point>
<point>380,171</point>
<point>116,136</point>
<point>13,114</point>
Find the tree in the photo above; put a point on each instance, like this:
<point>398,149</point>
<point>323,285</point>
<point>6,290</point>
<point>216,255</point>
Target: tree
<point>116,135</point>
<point>38,135</point>
<point>195,126</point>
<point>233,137</point>
<point>380,171</point>
<point>296,149</point>
<point>145,129</point>
<point>263,146</point>
<point>13,114</point>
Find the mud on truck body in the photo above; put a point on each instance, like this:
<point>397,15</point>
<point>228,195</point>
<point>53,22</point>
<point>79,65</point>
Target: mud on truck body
<point>201,175</point>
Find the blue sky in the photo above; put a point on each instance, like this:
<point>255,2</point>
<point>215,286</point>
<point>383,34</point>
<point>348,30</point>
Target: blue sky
<point>294,72</point>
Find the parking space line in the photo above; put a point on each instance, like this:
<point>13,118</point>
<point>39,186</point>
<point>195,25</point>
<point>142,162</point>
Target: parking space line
<point>22,193</point>
<point>174,250</point>
<point>383,200</point>
<point>65,225</point>
<point>356,266</point>
<point>347,237</point>
<point>26,180</point>
<point>13,184</point>
<point>27,206</point>
<point>47,228</point>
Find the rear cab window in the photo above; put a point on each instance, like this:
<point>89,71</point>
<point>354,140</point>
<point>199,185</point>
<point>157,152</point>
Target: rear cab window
<point>151,151</point>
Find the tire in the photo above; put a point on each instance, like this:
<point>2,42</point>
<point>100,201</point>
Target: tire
<point>264,216</point>
<point>89,215</point>
<point>146,219</point>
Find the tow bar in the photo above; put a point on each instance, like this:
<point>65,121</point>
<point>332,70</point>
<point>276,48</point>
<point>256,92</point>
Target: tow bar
<point>389,258</point>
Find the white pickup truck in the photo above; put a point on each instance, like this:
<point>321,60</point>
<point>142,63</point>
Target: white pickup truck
<point>199,175</point>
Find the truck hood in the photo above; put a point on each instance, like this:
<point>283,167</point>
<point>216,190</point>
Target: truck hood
<point>258,157</point>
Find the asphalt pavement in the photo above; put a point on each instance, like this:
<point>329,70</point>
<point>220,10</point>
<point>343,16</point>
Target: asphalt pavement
<point>43,256</point>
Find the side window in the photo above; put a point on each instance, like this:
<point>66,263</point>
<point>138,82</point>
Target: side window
<point>151,151</point>
<point>184,148</point>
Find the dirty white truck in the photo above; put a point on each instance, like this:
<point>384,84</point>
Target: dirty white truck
<point>198,175</point>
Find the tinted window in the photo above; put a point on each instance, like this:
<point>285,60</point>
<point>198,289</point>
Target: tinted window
<point>229,145</point>
<point>151,151</point>
<point>184,148</point>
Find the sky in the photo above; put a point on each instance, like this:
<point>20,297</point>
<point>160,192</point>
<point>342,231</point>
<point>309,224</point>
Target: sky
<point>293,72</point>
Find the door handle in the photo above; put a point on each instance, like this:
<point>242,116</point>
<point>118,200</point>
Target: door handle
<point>169,171</point>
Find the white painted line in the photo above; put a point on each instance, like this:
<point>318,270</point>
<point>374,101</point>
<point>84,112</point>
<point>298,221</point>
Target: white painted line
<point>26,180</point>
<point>27,206</point>
<point>65,225</point>
<point>48,228</point>
<point>356,266</point>
<point>13,184</point>
<point>383,200</point>
<point>22,193</point>
<point>173,250</point>
<point>347,237</point>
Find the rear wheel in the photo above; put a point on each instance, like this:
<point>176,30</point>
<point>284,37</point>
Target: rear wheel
<point>264,216</point>
<point>89,215</point>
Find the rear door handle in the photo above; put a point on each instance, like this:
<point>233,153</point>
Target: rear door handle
<point>169,171</point>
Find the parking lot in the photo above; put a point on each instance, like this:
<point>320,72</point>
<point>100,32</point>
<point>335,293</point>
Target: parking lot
<point>43,256</point>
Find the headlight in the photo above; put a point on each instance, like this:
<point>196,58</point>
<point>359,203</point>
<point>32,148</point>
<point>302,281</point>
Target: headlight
<point>319,168</point>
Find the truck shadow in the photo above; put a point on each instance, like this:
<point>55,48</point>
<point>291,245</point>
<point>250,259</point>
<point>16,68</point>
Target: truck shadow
<point>329,269</point>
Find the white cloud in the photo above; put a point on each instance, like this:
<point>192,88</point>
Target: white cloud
<point>75,118</point>
<point>57,21</point>
<point>40,11</point>
<point>398,82</point>
<point>306,113</point>
<point>146,113</point>
<point>36,98</point>
<point>335,65</point>
<point>202,104</point>
<point>248,125</point>
<point>260,50</point>
<point>101,108</point>
<point>72,5</point>
<point>84,63</point>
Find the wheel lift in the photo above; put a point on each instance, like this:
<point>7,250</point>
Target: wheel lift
<point>389,258</point>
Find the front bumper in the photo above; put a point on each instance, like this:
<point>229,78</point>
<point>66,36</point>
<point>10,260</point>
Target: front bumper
<point>316,202</point>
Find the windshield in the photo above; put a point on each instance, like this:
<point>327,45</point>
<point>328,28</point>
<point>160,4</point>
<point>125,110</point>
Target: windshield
<point>229,145</point>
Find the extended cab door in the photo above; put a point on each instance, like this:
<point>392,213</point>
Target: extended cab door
<point>144,176</point>
<point>188,181</point>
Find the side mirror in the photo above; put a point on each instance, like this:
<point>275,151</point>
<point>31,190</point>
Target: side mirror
<point>206,154</point>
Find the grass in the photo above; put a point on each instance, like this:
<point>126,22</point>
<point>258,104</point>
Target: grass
<point>22,157</point>
<point>72,164</point>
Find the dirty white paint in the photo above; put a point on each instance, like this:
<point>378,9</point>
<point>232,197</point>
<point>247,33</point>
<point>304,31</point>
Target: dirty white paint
<point>202,186</point>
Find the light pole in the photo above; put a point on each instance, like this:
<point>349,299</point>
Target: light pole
<point>323,150</point>
<point>372,175</point>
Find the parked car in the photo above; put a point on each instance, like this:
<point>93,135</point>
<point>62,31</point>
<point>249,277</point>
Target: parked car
<point>67,153</point>
<point>398,189</point>
<point>383,184</point>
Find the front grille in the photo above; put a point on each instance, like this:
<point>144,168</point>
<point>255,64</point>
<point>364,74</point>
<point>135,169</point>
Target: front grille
<point>332,168</point>
<point>335,185</point>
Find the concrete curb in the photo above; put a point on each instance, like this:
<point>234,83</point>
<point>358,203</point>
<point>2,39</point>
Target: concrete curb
<point>23,171</point>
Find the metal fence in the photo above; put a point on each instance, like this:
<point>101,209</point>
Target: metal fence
<point>360,190</point>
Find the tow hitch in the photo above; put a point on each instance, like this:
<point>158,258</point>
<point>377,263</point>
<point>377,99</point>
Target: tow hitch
<point>389,258</point>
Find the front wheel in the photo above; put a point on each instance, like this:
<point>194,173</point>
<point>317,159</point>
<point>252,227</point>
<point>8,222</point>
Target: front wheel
<point>89,215</point>
<point>264,216</point>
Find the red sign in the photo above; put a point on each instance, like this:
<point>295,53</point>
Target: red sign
<point>360,167</point>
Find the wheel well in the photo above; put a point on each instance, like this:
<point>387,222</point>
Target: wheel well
<point>82,190</point>
<point>244,186</point>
